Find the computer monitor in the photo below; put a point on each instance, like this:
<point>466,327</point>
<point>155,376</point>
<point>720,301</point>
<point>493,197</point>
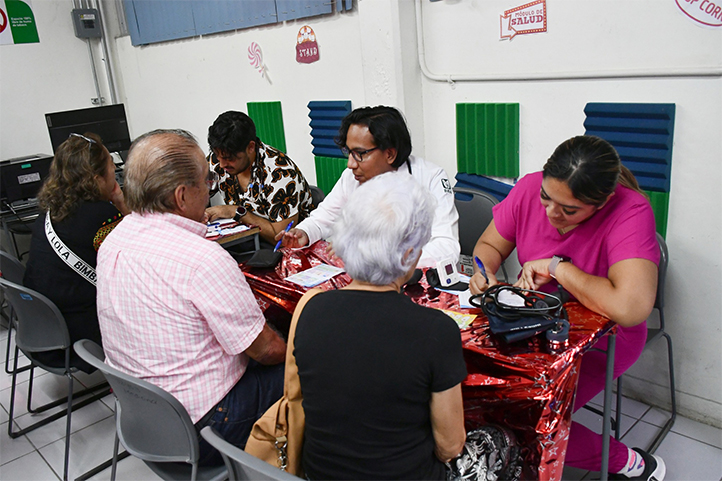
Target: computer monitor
<point>108,121</point>
<point>22,177</point>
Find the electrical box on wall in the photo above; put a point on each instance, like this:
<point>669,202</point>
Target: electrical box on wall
<point>87,23</point>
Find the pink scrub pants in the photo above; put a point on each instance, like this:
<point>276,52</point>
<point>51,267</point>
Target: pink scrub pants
<point>584,450</point>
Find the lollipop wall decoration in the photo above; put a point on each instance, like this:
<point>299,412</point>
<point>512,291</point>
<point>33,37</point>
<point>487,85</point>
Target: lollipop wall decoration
<point>255,57</point>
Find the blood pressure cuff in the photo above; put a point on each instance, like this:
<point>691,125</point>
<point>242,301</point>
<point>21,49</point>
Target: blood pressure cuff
<point>515,314</point>
<point>515,330</point>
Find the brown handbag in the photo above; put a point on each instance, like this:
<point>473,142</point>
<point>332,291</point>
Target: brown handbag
<point>277,437</point>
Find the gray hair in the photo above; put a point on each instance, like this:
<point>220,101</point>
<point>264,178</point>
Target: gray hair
<point>158,162</point>
<point>382,219</point>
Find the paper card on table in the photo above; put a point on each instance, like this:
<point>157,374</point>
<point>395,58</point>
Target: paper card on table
<point>224,227</point>
<point>463,320</point>
<point>464,297</point>
<point>315,275</point>
<point>235,230</point>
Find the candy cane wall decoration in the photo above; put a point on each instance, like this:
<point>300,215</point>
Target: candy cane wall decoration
<point>255,57</point>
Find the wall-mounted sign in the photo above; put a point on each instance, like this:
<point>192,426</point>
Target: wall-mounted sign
<point>527,18</point>
<point>306,45</point>
<point>17,23</point>
<point>702,11</point>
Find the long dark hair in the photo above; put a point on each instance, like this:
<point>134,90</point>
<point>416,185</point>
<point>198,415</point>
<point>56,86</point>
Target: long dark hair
<point>387,126</point>
<point>72,176</point>
<point>591,168</point>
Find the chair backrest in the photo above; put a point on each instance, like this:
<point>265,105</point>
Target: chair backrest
<point>11,268</point>
<point>151,423</point>
<point>240,464</point>
<point>40,326</point>
<point>475,215</point>
<point>662,271</point>
<point>317,195</point>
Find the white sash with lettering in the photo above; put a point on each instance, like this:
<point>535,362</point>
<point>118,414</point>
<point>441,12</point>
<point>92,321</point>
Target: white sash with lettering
<point>68,256</point>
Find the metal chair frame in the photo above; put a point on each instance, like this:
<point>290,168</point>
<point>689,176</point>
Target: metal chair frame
<point>40,328</point>
<point>151,424</point>
<point>653,334</point>
<point>12,270</point>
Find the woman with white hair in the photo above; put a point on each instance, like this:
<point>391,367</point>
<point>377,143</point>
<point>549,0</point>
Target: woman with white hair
<point>380,375</point>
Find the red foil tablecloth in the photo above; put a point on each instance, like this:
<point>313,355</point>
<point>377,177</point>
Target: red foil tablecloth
<point>269,285</point>
<point>524,386</point>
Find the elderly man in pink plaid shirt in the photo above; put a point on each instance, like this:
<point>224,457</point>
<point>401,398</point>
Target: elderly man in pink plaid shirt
<point>174,308</point>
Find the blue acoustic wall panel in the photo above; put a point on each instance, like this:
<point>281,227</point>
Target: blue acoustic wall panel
<point>472,181</point>
<point>641,133</point>
<point>326,119</point>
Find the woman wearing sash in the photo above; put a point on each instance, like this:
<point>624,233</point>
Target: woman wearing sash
<point>84,203</point>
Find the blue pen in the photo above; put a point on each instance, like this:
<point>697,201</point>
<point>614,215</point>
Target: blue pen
<point>278,244</point>
<point>481,268</point>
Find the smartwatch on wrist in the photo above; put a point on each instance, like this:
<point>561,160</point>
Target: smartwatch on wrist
<point>555,262</point>
<point>240,212</point>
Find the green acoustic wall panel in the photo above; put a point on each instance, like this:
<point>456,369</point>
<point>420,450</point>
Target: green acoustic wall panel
<point>268,118</point>
<point>487,139</point>
<point>328,171</point>
<point>660,206</point>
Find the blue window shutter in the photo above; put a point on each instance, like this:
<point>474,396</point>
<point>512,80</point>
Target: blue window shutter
<point>152,21</point>
<point>326,119</point>
<point>342,5</point>
<point>293,9</point>
<point>224,15</point>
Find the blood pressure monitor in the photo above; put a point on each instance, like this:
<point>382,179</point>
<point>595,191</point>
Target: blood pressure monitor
<point>448,274</point>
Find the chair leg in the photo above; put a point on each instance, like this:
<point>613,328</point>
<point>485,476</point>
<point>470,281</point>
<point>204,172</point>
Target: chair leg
<point>67,426</point>
<point>618,417</point>
<point>13,386</point>
<point>673,397</point>
<point>10,336</point>
<point>115,457</point>
<point>101,390</point>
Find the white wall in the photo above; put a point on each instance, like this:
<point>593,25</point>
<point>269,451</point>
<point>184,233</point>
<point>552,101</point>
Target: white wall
<point>38,78</point>
<point>552,111</point>
<point>369,56</point>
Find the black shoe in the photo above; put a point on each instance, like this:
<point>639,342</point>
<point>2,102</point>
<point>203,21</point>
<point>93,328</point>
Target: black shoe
<point>654,469</point>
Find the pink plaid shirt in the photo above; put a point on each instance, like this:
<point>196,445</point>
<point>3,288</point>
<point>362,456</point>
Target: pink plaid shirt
<point>175,309</point>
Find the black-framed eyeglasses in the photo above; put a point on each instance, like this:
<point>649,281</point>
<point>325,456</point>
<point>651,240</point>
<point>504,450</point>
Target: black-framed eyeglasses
<point>212,180</point>
<point>358,155</point>
<point>90,141</point>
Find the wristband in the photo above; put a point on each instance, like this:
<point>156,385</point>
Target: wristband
<point>555,262</point>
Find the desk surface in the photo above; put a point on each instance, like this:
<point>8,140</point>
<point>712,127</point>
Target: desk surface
<point>523,385</point>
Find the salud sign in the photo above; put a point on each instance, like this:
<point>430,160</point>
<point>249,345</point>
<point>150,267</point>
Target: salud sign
<point>528,18</point>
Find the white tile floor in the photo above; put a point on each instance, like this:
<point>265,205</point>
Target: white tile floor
<point>692,451</point>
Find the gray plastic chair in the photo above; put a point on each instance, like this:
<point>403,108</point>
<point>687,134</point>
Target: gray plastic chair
<point>151,423</point>
<point>12,270</point>
<point>42,335</point>
<point>317,196</point>
<point>241,465</point>
<point>475,215</point>
<point>652,335</point>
